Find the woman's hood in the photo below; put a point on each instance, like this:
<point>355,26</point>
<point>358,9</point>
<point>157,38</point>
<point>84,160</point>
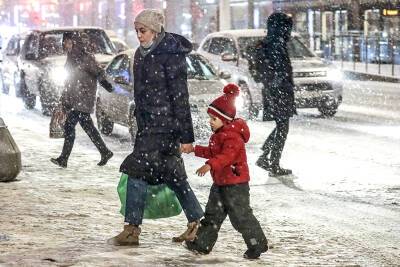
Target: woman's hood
<point>173,44</point>
<point>279,25</point>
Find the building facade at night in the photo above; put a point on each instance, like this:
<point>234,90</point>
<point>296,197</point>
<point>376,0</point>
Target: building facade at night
<point>116,15</point>
<point>192,18</point>
<point>349,22</point>
<point>348,29</point>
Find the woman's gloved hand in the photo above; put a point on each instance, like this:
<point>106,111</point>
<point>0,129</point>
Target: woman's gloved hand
<point>106,85</point>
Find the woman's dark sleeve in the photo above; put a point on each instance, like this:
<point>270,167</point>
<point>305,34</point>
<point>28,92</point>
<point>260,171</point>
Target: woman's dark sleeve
<point>94,69</point>
<point>176,74</point>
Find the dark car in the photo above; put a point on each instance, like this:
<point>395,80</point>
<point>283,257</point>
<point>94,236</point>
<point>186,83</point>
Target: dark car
<point>42,61</point>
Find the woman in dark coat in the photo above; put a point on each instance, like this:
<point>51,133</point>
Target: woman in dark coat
<point>78,97</point>
<point>164,125</point>
<point>272,67</point>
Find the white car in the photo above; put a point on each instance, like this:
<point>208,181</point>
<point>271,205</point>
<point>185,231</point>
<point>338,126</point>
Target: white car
<point>119,44</point>
<point>204,86</point>
<point>317,84</point>
<point>10,74</point>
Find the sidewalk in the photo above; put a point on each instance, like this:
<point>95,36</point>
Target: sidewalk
<point>371,71</point>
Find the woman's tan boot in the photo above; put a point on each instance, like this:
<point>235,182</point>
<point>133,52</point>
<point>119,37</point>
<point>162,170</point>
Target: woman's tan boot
<point>189,234</point>
<point>128,237</point>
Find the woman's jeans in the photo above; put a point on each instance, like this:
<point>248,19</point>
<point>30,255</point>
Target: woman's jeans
<point>136,200</point>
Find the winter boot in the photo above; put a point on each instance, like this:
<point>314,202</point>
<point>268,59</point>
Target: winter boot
<point>105,157</point>
<point>189,234</point>
<point>254,253</point>
<point>278,171</point>
<point>60,162</point>
<point>128,237</point>
<point>192,246</point>
<point>263,162</point>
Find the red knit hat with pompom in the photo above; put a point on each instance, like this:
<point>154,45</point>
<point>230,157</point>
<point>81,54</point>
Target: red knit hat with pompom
<point>224,106</point>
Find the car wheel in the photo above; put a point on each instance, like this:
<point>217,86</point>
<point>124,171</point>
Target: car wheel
<point>5,87</point>
<point>28,98</point>
<point>104,124</point>
<point>46,102</point>
<point>328,111</point>
<point>250,111</point>
<point>17,84</point>
<point>29,101</point>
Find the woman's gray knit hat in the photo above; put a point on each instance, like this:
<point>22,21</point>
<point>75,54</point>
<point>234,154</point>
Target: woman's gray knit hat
<point>151,18</point>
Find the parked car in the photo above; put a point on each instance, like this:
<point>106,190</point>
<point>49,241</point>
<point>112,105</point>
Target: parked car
<point>119,44</point>
<point>10,73</point>
<point>42,61</point>
<point>117,107</point>
<point>317,84</point>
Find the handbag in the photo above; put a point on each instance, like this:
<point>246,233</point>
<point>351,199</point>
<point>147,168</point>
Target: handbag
<point>57,122</point>
<point>161,202</point>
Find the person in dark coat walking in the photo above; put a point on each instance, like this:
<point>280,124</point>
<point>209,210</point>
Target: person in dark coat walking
<point>164,126</point>
<point>78,97</point>
<point>229,194</point>
<point>271,66</point>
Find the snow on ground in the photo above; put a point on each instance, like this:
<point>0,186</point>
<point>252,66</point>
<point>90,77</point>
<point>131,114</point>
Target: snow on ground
<point>340,208</point>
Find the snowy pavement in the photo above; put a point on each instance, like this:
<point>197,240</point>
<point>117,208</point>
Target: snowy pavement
<point>340,208</point>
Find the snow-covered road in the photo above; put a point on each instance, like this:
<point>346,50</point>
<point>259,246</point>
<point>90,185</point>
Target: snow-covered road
<point>340,208</point>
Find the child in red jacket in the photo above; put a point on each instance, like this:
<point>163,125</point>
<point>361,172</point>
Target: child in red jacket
<point>229,194</point>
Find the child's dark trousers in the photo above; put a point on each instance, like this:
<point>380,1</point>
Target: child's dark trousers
<point>234,201</point>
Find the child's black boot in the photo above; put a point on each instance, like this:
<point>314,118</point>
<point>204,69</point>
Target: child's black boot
<point>255,252</point>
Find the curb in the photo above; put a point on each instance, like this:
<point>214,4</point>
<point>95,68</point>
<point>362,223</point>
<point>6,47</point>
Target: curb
<point>353,75</point>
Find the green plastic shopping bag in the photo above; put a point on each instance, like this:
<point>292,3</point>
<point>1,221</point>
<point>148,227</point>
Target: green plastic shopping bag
<point>161,202</point>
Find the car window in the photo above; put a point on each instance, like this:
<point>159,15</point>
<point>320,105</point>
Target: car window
<point>222,45</point>
<point>12,47</point>
<point>51,44</point>
<point>32,45</point>
<point>296,48</point>
<point>206,45</point>
<point>100,43</point>
<point>120,67</point>
<point>199,68</point>
<point>246,43</point>
<point>119,46</point>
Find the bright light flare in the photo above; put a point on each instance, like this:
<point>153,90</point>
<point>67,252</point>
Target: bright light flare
<point>58,75</point>
<point>239,102</point>
<point>335,75</point>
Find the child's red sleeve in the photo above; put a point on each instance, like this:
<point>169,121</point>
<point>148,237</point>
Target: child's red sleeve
<point>228,155</point>
<point>202,151</point>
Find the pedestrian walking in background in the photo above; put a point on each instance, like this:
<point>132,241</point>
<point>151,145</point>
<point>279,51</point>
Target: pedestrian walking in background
<point>229,194</point>
<point>271,66</point>
<point>164,125</point>
<point>78,97</point>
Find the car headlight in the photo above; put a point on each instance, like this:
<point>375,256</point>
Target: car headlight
<point>335,75</point>
<point>58,75</point>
